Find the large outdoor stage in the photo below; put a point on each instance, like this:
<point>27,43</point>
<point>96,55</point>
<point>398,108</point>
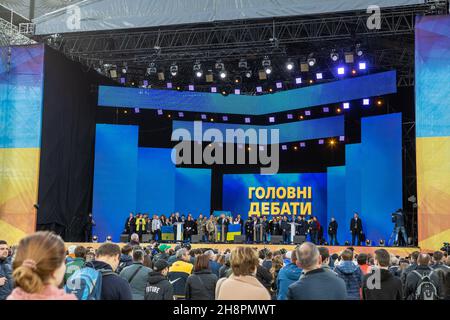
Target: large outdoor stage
<point>398,251</point>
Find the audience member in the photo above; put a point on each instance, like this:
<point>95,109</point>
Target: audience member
<point>158,286</point>
<point>137,275</point>
<point>351,274</point>
<point>287,276</point>
<point>77,263</point>
<point>201,285</point>
<point>179,272</point>
<point>6,278</point>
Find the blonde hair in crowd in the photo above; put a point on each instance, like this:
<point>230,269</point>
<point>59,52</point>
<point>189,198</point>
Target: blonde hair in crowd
<point>36,258</point>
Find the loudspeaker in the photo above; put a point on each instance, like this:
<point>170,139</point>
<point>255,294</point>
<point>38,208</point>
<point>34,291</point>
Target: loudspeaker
<point>299,239</point>
<point>195,238</point>
<point>124,238</point>
<point>146,238</point>
<point>276,239</point>
<point>239,239</point>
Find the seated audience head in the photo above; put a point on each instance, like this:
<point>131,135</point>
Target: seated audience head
<point>362,259</point>
<point>80,252</point>
<point>414,256</point>
<point>347,255</point>
<point>39,261</point>
<point>127,249</point>
<point>308,256</point>
<point>201,263</point>
<point>382,258</point>
<point>438,256</point>
<point>183,254</point>
<point>109,253</point>
<point>138,256</point>
<point>423,259</point>
<point>324,255</point>
<point>244,261</point>
<point>134,237</point>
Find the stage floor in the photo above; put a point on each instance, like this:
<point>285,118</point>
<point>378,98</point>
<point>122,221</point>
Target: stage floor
<point>398,251</point>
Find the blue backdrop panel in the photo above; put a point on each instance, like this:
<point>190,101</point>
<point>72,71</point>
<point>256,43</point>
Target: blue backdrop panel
<point>289,132</point>
<point>332,92</point>
<point>155,181</point>
<point>116,159</point>
<point>353,164</point>
<point>193,191</point>
<point>336,183</point>
<point>235,190</point>
<point>381,174</point>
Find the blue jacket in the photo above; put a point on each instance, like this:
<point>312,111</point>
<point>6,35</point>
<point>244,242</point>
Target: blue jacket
<point>352,275</point>
<point>317,284</point>
<point>6,272</point>
<point>287,276</point>
<point>215,267</point>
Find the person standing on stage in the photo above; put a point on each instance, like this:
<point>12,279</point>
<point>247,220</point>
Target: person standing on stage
<point>332,232</point>
<point>222,223</point>
<point>130,225</point>
<point>285,230</point>
<point>156,228</point>
<point>356,229</point>
<point>211,229</point>
<point>90,223</point>
<point>239,220</point>
<point>249,230</point>
<point>201,226</point>
<point>314,230</point>
<point>266,229</point>
<point>175,218</point>
<point>189,227</point>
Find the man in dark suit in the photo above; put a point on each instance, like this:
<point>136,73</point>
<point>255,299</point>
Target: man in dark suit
<point>356,229</point>
<point>130,224</point>
<point>223,223</point>
<point>332,232</point>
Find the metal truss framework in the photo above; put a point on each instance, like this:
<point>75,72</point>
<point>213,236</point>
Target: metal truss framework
<point>247,39</point>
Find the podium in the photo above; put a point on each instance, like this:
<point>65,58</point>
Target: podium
<point>179,231</point>
<point>258,232</point>
<point>293,227</point>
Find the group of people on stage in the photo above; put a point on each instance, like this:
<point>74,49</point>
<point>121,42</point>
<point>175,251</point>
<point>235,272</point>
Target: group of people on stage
<point>255,229</point>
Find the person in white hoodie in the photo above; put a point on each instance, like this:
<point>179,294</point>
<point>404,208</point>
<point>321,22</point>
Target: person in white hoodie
<point>156,228</point>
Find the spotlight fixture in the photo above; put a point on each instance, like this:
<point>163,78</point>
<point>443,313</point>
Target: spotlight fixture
<point>366,102</point>
<point>381,243</point>
<point>349,57</point>
<point>169,85</point>
<point>94,239</point>
<point>237,79</point>
<point>298,80</point>
<point>259,89</point>
<point>266,62</point>
<point>237,91</point>
<point>268,70</point>
<point>223,74</point>
<point>358,50</point>
<point>247,120</point>
<point>248,74</point>
<point>152,69</point>
<point>191,87</point>
<point>289,65</point>
<point>284,147</point>
<point>341,71</point>
<point>243,64</point>
<point>319,76</point>
<point>311,60</point>
<point>108,239</point>
<point>346,105</point>
<point>214,89</point>
<point>219,65</point>
<point>368,243</point>
<point>125,68</point>
<point>272,119</point>
<point>334,56</point>
<point>197,66</point>
<point>173,70</point>
<point>199,74</point>
<point>362,66</point>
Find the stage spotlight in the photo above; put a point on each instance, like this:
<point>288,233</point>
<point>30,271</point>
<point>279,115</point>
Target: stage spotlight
<point>219,65</point>
<point>113,73</point>
<point>321,141</point>
<point>311,60</point>
<point>223,74</point>
<point>332,142</point>
<point>301,117</point>
<point>108,239</point>
<point>368,243</point>
<point>341,71</point>
<point>197,66</point>
<point>225,92</point>
<point>326,109</point>
<point>266,62</point>
<point>213,89</point>
<point>237,79</point>
<point>298,80</point>
<point>169,116</point>
<point>259,89</point>
<point>346,105</point>
<point>342,138</point>
<point>145,83</point>
<point>290,116</point>
<point>302,144</point>
<point>319,76</point>
<point>209,77</point>
<point>179,88</point>
<point>237,91</point>
<point>152,69</point>
<point>203,116</point>
<point>225,118</point>
<point>346,243</point>
<point>191,87</point>
<point>381,243</point>
<point>272,119</point>
<point>173,70</point>
<point>362,66</point>
<point>279,85</point>
<point>181,114</point>
<point>284,147</point>
<point>169,85</point>
<point>353,72</point>
<point>366,102</point>
<point>160,112</point>
<point>304,67</point>
<point>311,81</point>
<point>270,90</point>
<point>161,76</point>
<point>199,74</point>
<point>379,102</point>
<point>268,70</point>
<point>125,68</point>
<point>248,74</point>
<point>212,119</point>
<point>123,80</point>
<point>358,50</point>
<point>243,64</point>
<point>137,110</point>
<point>247,120</point>
<point>94,239</point>
<point>307,113</point>
<point>334,56</point>
<point>349,57</point>
<point>295,148</point>
<point>289,65</point>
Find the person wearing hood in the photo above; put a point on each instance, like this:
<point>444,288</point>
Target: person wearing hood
<point>351,274</point>
<point>125,258</point>
<point>287,276</point>
<point>107,261</point>
<point>390,287</point>
<point>158,286</point>
<point>201,285</point>
<point>39,268</point>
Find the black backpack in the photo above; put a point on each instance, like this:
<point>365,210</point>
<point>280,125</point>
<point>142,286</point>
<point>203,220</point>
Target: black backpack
<point>425,290</point>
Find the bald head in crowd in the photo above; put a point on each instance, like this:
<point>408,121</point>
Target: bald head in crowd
<point>308,257</point>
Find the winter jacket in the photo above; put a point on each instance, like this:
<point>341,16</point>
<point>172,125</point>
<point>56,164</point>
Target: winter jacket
<point>72,267</point>
<point>264,276</point>
<point>201,285</point>
<point>317,284</point>
<point>390,287</point>
<point>287,276</point>
<point>178,274</point>
<point>113,286</point>
<point>139,281</point>
<point>125,261</point>
<point>214,267</point>
<point>412,280</point>
<point>352,275</point>
<point>48,293</point>
<point>158,287</point>
<point>224,271</point>
<point>6,272</point>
